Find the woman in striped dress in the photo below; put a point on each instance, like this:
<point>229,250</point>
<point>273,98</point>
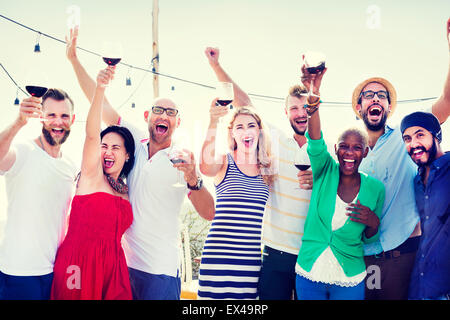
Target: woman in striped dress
<point>231,258</point>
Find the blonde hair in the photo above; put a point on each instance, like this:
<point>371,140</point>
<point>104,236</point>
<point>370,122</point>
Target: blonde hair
<point>264,154</point>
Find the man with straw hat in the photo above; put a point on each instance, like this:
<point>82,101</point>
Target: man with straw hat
<point>374,100</point>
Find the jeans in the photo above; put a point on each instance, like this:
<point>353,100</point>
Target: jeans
<point>277,278</point>
<point>25,287</point>
<point>310,290</point>
<point>147,286</point>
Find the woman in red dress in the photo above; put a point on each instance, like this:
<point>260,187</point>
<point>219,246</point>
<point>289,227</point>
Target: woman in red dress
<point>90,263</point>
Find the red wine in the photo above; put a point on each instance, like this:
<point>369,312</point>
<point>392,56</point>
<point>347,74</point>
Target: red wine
<point>36,91</point>
<point>303,167</point>
<point>177,160</point>
<point>111,61</point>
<point>314,70</point>
<point>224,102</point>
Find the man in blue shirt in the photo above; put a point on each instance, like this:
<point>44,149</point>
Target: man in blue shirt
<point>422,135</point>
<point>374,100</point>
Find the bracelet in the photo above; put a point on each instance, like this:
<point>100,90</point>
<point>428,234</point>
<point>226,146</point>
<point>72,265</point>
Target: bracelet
<point>314,104</point>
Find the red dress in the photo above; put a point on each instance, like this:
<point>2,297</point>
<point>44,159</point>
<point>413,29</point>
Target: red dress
<point>90,263</point>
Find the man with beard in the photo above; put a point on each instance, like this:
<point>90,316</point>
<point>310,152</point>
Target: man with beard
<point>374,100</point>
<point>152,243</point>
<point>290,194</point>
<point>430,278</point>
<point>39,184</point>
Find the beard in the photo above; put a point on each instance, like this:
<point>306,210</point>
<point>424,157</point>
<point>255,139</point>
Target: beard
<point>296,130</point>
<point>374,127</point>
<point>50,140</point>
<point>431,154</point>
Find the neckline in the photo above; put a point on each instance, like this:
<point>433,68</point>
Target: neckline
<point>102,192</point>
<point>235,164</point>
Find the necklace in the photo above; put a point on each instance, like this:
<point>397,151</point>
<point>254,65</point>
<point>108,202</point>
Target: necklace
<point>118,185</point>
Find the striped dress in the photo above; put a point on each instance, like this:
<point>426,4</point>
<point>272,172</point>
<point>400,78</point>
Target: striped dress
<point>231,257</point>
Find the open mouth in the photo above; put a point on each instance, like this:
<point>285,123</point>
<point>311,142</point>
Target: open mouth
<point>349,164</point>
<point>375,112</point>
<point>108,163</point>
<point>416,154</point>
<point>58,131</point>
<point>161,128</point>
<point>301,121</point>
<point>248,142</point>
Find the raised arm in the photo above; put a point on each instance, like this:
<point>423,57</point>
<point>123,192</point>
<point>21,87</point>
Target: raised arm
<point>441,108</point>
<point>91,166</point>
<point>88,84</point>
<point>241,98</point>
<point>314,129</point>
<point>29,108</point>
<point>209,165</point>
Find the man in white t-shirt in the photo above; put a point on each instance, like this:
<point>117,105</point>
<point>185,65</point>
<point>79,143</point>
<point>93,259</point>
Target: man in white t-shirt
<point>152,243</point>
<point>289,198</point>
<point>39,183</point>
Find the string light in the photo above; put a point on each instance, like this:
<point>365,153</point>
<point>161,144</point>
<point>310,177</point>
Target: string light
<point>128,80</point>
<point>37,47</point>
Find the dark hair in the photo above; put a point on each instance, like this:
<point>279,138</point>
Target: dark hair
<point>129,146</point>
<point>58,95</point>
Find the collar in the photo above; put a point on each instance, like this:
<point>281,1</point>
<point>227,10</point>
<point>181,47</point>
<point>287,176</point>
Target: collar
<point>437,164</point>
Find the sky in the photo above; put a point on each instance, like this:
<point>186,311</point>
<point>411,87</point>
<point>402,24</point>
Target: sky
<point>261,43</point>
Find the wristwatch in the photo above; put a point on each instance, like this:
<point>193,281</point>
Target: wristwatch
<point>197,186</point>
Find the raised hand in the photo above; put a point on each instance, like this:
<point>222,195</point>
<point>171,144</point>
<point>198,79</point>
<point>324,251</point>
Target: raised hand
<point>71,44</point>
<point>30,108</point>
<point>216,111</point>
<point>187,166</point>
<point>213,55</point>
<point>309,79</point>
<point>105,76</point>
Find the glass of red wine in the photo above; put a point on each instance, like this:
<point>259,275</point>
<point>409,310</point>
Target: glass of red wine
<point>112,52</point>
<point>301,161</point>
<point>36,84</point>
<point>314,63</point>
<point>225,93</point>
<point>175,157</point>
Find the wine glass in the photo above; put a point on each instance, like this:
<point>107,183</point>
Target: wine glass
<point>112,53</point>
<point>175,157</point>
<point>36,83</point>
<point>301,161</point>
<point>225,93</point>
<point>314,63</point>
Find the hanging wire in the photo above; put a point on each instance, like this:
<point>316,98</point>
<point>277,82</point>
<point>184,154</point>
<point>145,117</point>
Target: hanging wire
<point>256,96</point>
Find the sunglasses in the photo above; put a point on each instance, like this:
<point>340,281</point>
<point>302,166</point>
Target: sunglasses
<point>169,111</point>
<point>369,94</point>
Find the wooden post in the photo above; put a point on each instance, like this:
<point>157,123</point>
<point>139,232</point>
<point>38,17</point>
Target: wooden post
<point>155,59</point>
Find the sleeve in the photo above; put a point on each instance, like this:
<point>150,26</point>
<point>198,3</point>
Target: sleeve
<point>22,152</point>
<point>377,210</point>
<point>137,133</point>
<point>318,155</point>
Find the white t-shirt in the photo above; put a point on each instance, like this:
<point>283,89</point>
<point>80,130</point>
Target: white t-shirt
<point>152,243</point>
<point>39,191</point>
<point>287,206</point>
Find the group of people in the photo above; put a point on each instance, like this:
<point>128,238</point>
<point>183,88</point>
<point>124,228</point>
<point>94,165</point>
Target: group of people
<point>276,233</point>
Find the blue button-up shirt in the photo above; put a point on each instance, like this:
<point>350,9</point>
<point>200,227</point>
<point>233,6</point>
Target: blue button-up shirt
<point>389,162</point>
<point>431,274</point>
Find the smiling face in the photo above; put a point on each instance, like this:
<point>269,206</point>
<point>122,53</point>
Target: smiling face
<point>350,150</point>
<point>245,132</point>
<point>296,114</point>
<point>113,154</point>
<point>161,126</point>
<point>420,144</point>
<point>374,111</point>
<point>59,118</point>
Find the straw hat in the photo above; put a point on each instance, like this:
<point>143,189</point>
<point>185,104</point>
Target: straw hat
<point>389,87</point>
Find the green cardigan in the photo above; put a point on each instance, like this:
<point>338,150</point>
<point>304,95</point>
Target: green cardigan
<point>346,243</point>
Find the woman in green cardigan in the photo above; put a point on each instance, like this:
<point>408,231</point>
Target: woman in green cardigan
<point>343,214</point>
